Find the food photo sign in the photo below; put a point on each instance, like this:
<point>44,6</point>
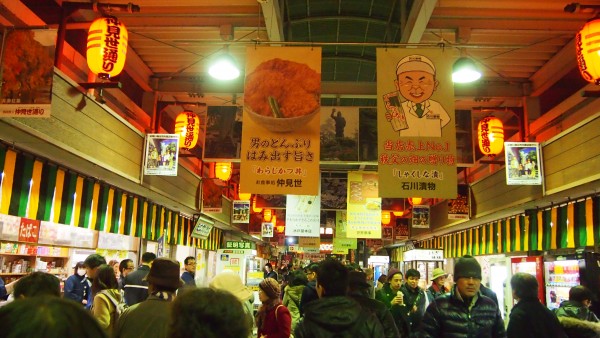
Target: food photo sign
<point>280,133</point>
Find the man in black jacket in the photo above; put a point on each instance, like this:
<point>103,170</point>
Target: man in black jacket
<point>359,289</point>
<point>414,299</point>
<point>309,293</point>
<point>529,317</point>
<point>464,312</point>
<point>334,314</point>
<point>135,286</point>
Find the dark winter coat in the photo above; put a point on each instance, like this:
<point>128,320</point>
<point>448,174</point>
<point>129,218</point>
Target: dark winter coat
<point>135,287</point>
<point>77,288</point>
<point>577,320</point>
<point>380,311</point>
<point>385,295</point>
<point>530,318</point>
<point>337,317</point>
<point>413,297</point>
<point>449,316</point>
<point>309,294</point>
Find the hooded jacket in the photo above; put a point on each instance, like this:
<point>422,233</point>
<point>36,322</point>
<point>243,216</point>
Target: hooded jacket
<point>291,300</point>
<point>337,317</point>
<point>577,320</point>
<point>449,316</point>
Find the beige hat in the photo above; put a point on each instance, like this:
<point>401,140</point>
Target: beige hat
<point>415,62</point>
<point>438,272</point>
<point>232,282</point>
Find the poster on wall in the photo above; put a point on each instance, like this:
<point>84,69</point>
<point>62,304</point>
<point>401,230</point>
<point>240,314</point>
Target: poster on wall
<point>522,163</point>
<point>27,72</point>
<point>420,216</point>
<point>280,134</point>
<point>267,229</point>
<point>363,218</point>
<point>458,208</point>
<point>303,216</point>
<point>402,229</point>
<point>212,199</point>
<point>223,133</point>
<point>387,233</point>
<point>416,129</point>
<point>241,212</point>
<point>333,193</point>
<point>339,133</point>
<point>162,154</point>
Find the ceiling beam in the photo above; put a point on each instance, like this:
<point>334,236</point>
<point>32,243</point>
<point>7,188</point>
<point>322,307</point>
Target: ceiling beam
<point>418,18</point>
<point>273,22</point>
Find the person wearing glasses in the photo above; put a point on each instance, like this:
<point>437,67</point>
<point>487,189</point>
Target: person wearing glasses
<point>125,267</point>
<point>189,275</point>
<point>465,311</point>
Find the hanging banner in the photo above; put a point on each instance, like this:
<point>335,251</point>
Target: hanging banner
<point>241,212</point>
<point>339,133</point>
<point>302,216</point>
<point>280,134</point>
<point>344,243</point>
<point>309,244</point>
<point>27,73</point>
<point>267,229</point>
<point>420,216</point>
<point>341,224</point>
<point>212,200</point>
<point>522,163</point>
<point>203,227</point>
<point>458,208</point>
<point>416,124</point>
<point>333,193</point>
<point>364,207</point>
<point>162,153</point>
<point>223,133</point>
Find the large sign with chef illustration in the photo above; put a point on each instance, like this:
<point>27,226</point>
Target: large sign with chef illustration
<point>415,123</point>
<point>280,133</point>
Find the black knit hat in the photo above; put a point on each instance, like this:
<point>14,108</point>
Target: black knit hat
<point>466,267</point>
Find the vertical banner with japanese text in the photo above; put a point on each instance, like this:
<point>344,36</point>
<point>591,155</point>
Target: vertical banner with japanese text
<point>416,123</point>
<point>27,72</point>
<point>364,207</point>
<point>281,120</point>
<point>303,216</point>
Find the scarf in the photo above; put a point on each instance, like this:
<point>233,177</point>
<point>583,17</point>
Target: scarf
<point>164,295</point>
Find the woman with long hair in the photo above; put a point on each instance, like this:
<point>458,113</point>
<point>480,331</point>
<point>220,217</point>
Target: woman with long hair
<point>273,319</point>
<point>106,297</point>
<point>77,286</point>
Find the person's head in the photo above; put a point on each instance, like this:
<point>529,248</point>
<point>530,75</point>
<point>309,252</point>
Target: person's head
<point>91,264</point>
<point>208,313</point>
<point>524,286</point>
<point>467,274</point>
<point>164,275</point>
<point>115,265</point>
<point>311,273</point>
<point>370,273</point>
<point>339,113</point>
<point>297,277</point>
<point>412,278</point>
<point>51,317</point>
<point>125,267</point>
<point>148,257</point>
<point>395,279</point>
<point>189,264</point>
<point>268,267</point>
<point>268,290</point>
<point>232,282</point>
<point>79,269</point>
<point>332,279</point>
<point>381,280</point>
<point>415,78</point>
<point>581,294</point>
<point>105,279</point>
<point>439,277</point>
<point>357,282</point>
<point>37,284</point>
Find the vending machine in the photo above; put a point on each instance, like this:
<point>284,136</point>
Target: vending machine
<point>566,271</point>
<point>533,265</point>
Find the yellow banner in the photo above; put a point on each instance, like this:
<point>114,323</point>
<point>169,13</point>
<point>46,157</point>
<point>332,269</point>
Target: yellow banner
<point>345,243</point>
<point>281,122</point>
<point>415,123</point>
<point>340,224</point>
<point>364,207</point>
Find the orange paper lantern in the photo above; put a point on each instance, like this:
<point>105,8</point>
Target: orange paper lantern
<point>415,200</point>
<point>244,196</point>
<point>267,215</point>
<point>490,136</point>
<point>223,170</point>
<point>587,46</point>
<point>106,47</point>
<point>187,125</point>
<point>386,217</point>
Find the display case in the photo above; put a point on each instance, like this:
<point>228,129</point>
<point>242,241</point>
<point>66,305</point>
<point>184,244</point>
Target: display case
<point>532,265</point>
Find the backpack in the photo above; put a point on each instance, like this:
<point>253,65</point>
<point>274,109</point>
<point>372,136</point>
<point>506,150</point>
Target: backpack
<point>120,306</point>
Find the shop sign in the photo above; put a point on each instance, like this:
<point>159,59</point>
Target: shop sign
<point>423,255</point>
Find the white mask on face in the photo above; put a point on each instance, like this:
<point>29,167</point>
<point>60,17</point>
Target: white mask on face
<point>81,272</point>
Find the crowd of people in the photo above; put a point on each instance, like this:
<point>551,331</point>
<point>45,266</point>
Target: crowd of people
<point>326,299</point>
